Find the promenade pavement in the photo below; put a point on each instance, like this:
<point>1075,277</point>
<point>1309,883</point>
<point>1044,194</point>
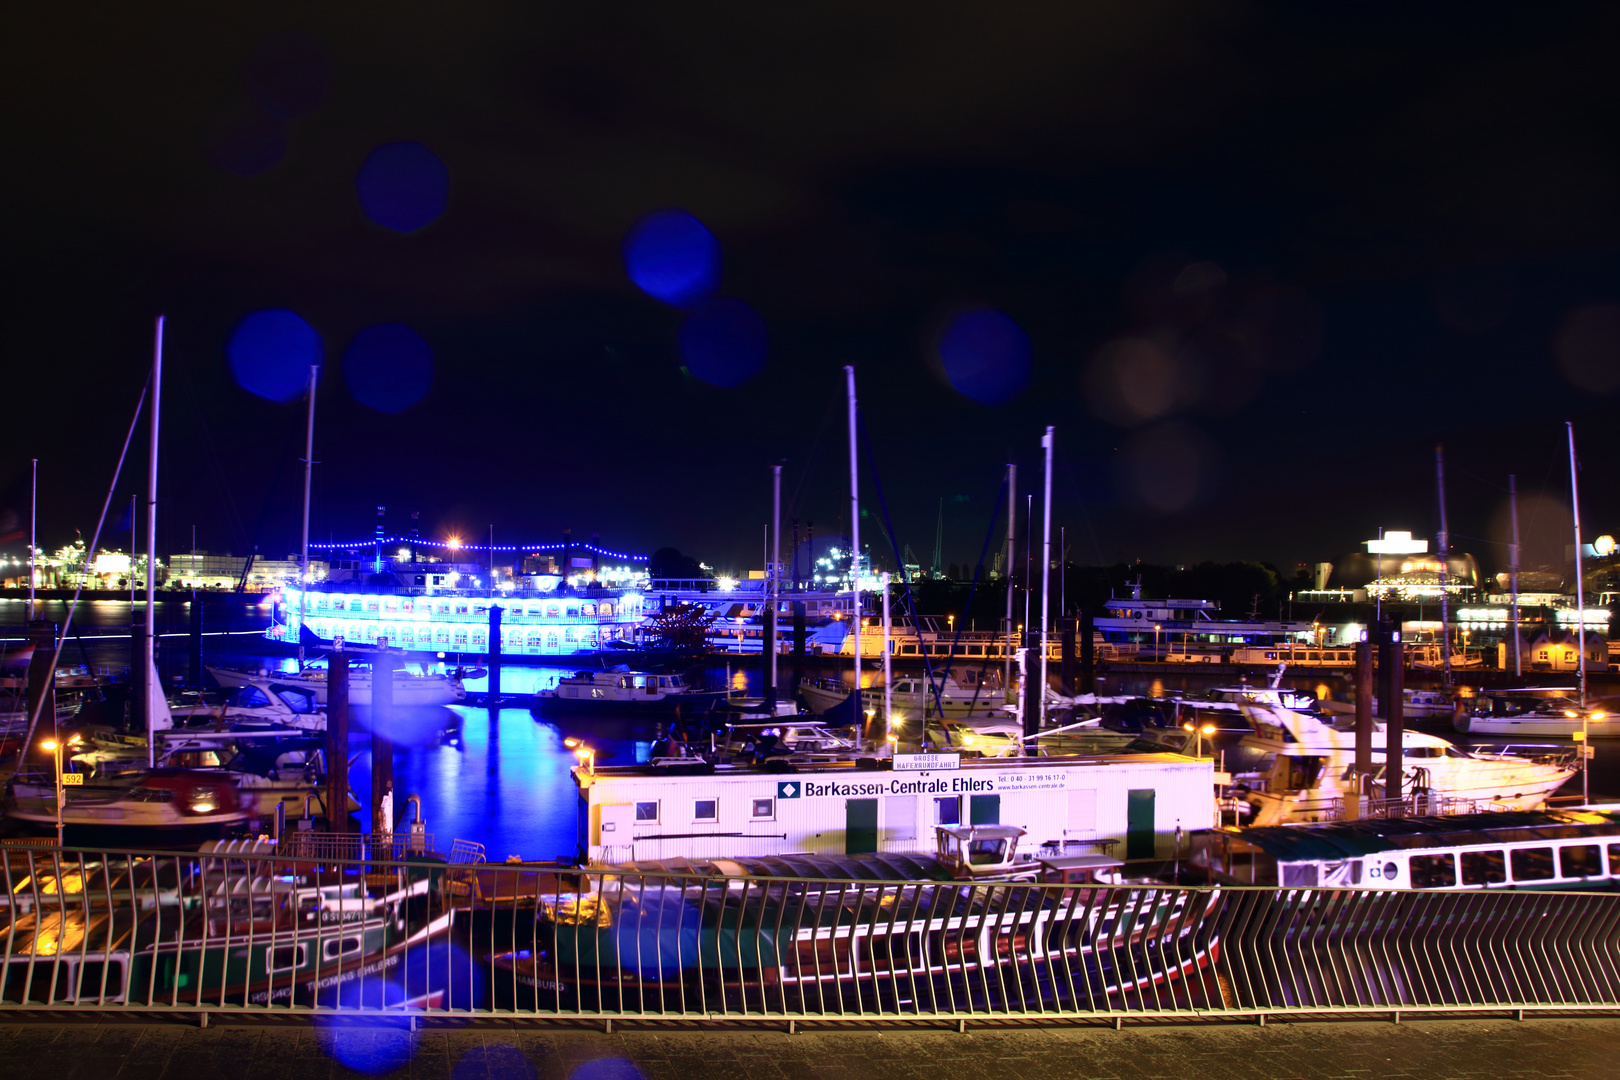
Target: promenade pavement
<point>87,1048</point>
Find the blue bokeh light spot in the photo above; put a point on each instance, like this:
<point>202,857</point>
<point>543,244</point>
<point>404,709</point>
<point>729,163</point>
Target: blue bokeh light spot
<point>986,356</point>
<point>724,343</point>
<point>388,367</point>
<point>673,257</point>
<point>365,1050</point>
<point>271,353</point>
<point>403,186</point>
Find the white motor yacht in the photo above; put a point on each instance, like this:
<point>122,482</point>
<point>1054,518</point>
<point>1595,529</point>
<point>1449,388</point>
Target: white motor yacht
<point>1306,770</point>
<point>259,702</point>
<point>619,690</point>
<point>410,687</point>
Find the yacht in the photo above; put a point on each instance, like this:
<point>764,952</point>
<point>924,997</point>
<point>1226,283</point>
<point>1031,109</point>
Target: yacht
<point>1518,714</point>
<point>912,696</point>
<point>261,701</point>
<point>619,690</point>
<point>1306,770</point>
<point>410,687</point>
<point>186,801</point>
<point>268,769</point>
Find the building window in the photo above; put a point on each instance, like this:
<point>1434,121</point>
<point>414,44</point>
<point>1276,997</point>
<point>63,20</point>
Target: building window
<point>705,810</point>
<point>948,810</point>
<point>551,642</point>
<point>764,809</point>
<point>647,811</point>
<point>461,635</point>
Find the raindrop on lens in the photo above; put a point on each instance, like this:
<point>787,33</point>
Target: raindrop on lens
<point>985,355</point>
<point>403,186</point>
<point>388,367</point>
<point>673,257</point>
<point>724,343</point>
<point>271,353</point>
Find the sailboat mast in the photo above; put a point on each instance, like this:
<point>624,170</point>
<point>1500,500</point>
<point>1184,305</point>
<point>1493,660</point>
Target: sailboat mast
<point>1046,573</point>
<point>1580,585</point>
<point>1444,541</point>
<point>1012,530</point>
<point>153,687</point>
<point>33,537</point>
<point>854,534</point>
<point>773,583</point>
<point>309,464</point>
<point>1513,569</point>
<point>888,682</point>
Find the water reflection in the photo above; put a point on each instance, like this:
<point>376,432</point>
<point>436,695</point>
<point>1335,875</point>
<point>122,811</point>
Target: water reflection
<point>500,777</point>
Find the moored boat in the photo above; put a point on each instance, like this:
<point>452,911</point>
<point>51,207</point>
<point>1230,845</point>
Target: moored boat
<point>1306,770</point>
<point>199,930</point>
<point>409,687</point>
<point>619,690</point>
<point>1534,849</point>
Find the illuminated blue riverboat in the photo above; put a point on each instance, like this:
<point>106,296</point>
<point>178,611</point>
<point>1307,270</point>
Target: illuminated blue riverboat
<point>539,623</point>
<point>446,605</point>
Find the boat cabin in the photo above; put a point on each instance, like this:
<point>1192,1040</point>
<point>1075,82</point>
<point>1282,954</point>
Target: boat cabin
<point>976,852</point>
<point>1560,849</point>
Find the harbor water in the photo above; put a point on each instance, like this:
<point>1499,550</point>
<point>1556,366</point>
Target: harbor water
<point>501,776</point>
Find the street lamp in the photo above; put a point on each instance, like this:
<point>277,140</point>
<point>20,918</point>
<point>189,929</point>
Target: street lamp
<point>54,748</point>
<point>1587,753</point>
<point>1155,641</point>
<point>1199,731</point>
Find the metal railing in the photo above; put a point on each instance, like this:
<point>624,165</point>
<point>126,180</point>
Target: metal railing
<point>260,929</point>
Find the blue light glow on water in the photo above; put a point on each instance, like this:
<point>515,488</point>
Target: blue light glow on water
<point>504,783</point>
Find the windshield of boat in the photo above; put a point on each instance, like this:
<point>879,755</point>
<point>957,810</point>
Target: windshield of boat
<point>986,852</point>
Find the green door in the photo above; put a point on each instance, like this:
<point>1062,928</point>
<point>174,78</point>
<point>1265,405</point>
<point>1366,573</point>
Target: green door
<point>1139,834</point>
<point>984,810</point>
<point>860,825</point>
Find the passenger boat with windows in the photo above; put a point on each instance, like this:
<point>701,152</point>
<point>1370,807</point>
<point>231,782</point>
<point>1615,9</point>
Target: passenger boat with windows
<point>822,932</point>
<point>542,622</point>
<point>1305,770</point>
<point>620,691</point>
<point>1527,849</point>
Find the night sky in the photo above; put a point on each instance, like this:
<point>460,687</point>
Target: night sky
<point>1265,258</point>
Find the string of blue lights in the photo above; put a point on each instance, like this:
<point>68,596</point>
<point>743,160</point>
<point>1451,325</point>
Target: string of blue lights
<point>365,545</point>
